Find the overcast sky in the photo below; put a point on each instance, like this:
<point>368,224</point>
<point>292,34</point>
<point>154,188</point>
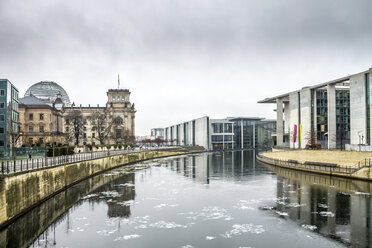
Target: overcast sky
<point>184,59</point>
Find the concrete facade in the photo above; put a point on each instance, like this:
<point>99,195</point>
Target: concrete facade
<point>333,113</point>
<point>222,134</point>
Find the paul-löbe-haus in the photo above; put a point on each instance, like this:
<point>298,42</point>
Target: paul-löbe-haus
<point>334,114</point>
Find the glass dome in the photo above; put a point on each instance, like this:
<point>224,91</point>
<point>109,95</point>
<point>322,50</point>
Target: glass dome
<point>47,92</point>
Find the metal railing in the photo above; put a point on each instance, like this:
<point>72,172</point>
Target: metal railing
<point>13,166</point>
<point>346,170</point>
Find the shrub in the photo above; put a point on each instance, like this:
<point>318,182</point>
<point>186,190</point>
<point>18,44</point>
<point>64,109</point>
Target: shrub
<point>120,146</point>
<point>108,147</point>
<point>89,146</point>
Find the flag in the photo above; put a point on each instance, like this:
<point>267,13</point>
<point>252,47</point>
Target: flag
<point>118,81</point>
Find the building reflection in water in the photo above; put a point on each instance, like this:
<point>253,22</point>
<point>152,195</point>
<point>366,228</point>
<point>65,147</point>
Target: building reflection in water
<point>337,208</point>
<point>228,164</point>
<point>334,207</point>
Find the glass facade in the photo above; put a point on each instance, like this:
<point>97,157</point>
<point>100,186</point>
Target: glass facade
<point>342,117</point>
<point>9,123</point>
<point>368,109</point>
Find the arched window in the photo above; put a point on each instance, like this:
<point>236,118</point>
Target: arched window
<point>119,120</point>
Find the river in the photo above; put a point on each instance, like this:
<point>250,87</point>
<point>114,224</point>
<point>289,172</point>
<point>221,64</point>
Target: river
<point>225,199</point>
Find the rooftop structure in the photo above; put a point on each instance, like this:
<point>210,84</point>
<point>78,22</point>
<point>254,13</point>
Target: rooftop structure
<point>47,92</point>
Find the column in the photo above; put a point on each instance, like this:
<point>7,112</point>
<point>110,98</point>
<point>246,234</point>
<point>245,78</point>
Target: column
<point>254,136</point>
<point>279,122</point>
<point>241,134</point>
<point>331,109</point>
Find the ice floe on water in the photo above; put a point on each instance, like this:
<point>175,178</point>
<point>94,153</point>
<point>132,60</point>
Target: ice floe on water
<point>361,193</point>
<point>209,213</point>
<point>167,225</point>
<point>281,213</point>
<point>126,237</point>
<point>110,194</point>
<point>245,205</point>
<point>209,237</point>
<point>187,246</point>
<point>309,227</point>
<point>163,205</point>
<point>89,196</point>
<point>239,229</point>
<point>105,232</point>
<point>128,203</point>
<point>326,214</point>
<point>321,205</point>
<point>295,205</point>
<point>125,185</point>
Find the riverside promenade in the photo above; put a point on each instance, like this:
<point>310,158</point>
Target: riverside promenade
<point>357,165</point>
<point>20,191</point>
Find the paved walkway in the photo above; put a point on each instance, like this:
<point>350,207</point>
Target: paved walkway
<point>343,158</point>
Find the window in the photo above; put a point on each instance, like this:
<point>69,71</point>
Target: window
<point>118,133</point>
<point>84,121</point>
<point>67,129</point>
<point>93,121</point>
<point>2,92</point>
<point>84,135</point>
<point>2,117</point>
<point>1,142</point>
<point>113,98</point>
<point>67,121</point>
<point>85,128</point>
<point>31,129</point>
<point>123,98</point>
<point>2,105</point>
<point>41,117</point>
<point>93,135</point>
<point>41,129</point>
<point>119,120</point>
<point>41,140</point>
<point>1,130</point>
<point>30,140</point>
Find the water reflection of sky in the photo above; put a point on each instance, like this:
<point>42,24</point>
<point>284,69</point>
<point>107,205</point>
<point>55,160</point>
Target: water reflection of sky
<point>214,200</point>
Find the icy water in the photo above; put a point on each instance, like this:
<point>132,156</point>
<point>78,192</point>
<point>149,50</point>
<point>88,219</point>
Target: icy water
<point>206,200</point>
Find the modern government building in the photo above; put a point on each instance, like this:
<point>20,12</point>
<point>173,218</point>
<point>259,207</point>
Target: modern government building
<point>334,114</point>
<point>222,134</point>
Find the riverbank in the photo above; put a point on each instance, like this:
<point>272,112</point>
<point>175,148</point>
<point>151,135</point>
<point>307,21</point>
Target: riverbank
<point>348,164</point>
<point>342,158</point>
<point>22,191</point>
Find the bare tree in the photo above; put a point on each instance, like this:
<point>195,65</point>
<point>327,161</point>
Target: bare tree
<point>75,124</point>
<point>102,122</point>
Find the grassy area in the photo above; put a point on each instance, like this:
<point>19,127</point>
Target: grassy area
<point>343,158</point>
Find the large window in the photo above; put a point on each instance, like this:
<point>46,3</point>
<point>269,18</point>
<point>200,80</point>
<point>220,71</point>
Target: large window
<point>31,117</point>
<point>1,142</point>
<point>31,129</point>
<point>228,128</point>
<point>41,129</point>
<point>119,120</point>
<point>217,127</point>
<point>2,117</point>
<point>41,117</point>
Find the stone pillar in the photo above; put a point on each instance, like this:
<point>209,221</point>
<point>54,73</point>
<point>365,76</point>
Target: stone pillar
<point>254,136</point>
<point>279,122</point>
<point>331,109</point>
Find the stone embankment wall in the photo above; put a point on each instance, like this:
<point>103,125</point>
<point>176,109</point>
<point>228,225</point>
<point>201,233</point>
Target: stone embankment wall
<point>22,191</point>
<point>364,173</point>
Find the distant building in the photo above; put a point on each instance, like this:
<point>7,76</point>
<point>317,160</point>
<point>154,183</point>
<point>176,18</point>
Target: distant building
<point>8,117</point>
<point>110,124</point>
<point>41,123</point>
<point>157,133</point>
<point>223,134</point>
